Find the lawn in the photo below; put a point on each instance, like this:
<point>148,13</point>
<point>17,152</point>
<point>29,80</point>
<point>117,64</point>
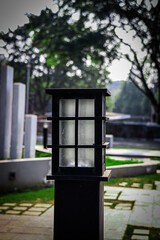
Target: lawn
<point>139,179</point>
<point>42,154</point>
<point>138,148</point>
<point>109,161</point>
<point>31,195</point>
<point>46,195</point>
<point>114,162</point>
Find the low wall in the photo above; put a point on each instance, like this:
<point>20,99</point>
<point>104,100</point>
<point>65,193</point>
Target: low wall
<point>119,129</point>
<point>133,130</point>
<point>18,174</point>
<point>132,170</point>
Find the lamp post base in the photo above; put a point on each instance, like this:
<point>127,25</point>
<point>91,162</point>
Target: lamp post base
<point>79,209</point>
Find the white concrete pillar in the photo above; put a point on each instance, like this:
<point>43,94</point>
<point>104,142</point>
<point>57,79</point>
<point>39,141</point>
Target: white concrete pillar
<point>6,92</point>
<point>30,136</point>
<point>17,120</point>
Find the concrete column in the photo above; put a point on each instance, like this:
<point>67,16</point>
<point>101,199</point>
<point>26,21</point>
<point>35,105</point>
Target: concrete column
<point>30,136</point>
<point>6,89</point>
<point>17,120</point>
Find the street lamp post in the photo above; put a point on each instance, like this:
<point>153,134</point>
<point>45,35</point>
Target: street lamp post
<point>28,80</point>
<point>78,162</point>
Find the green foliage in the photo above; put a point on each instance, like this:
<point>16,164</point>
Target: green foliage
<point>42,154</point>
<point>63,54</point>
<point>151,178</point>
<point>81,39</point>
<point>131,101</point>
<point>36,194</point>
<point>139,19</point>
<point>109,103</point>
<point>114,162</point>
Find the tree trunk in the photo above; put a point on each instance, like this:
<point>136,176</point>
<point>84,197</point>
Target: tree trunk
<point>156,115</point>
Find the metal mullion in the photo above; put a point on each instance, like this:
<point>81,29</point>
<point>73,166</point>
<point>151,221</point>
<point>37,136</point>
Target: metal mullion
<point>77,146</point>
<point>76,134</point>
<point>77,118</point>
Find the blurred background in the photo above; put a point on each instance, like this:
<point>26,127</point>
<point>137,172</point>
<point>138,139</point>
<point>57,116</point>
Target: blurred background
<point>87,44</point>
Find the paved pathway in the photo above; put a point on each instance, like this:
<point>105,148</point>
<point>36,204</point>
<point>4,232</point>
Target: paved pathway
<point>133,213</point>
<point>119,152</point>
<point>133,153</point>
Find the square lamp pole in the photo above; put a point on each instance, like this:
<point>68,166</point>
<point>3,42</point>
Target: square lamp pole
<point>78,162</point>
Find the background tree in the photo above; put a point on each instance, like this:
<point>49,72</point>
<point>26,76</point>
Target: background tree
<point>132,101</point>
<point>82,37</point>
<point>140,21</point>
<point>62,52</point>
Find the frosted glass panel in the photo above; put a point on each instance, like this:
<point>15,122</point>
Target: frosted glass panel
<point>103,131</point>
<point>67,132</point>
<point>103,106</point>
<point>85,157</point>
<point>67,107</point>
<point>86,132</point>
<point>66,157</point>
<point>103,156</point>
<point>86,108</point>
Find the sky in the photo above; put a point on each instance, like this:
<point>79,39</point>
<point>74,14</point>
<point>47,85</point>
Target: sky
<point>12,14</point>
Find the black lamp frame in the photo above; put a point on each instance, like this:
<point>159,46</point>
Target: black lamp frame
<point>100,121</point>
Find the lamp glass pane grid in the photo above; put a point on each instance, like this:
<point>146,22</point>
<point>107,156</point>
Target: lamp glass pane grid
<point>86,132</point>
<point>67,157</point>
<point>67,107</point>
<point>66,132</point>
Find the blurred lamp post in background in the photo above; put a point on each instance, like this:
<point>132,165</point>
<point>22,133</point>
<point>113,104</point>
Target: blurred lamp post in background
<point>28,80</point>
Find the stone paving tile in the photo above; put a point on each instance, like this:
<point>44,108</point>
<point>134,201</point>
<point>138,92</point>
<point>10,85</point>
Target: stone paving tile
<point>157,183</point>
<point>115,223</point>
<point>136,185</point>
<point>106,207</point>
<point>148,186</point>
<point>110,197</point>
<point>26,204</point>
<point>3,208</point>
<point>141,216</point>
<point>7,236</point>
<point>123,208</point>
<point>141,231</point>
<point>123,184</point>
<point>29,213</point>
<point>43,205</point>
<point>13,212</point>
<point>124,204</point>
<point>9,204</point>
<point>156,216</point>
<point>126,197</point>
<point>139,237</point>
<point>156,198</point>
<point>141,204</point>
<point>145,198</point>
<point>36,209</point>
<point>20,208</point>
<point>108,203</point>
<point>32,237</point>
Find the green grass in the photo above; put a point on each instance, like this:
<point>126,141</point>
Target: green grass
<point>156,158</point>
<point>109,161</point>
<point>114,162</point>
<point>139,179</point>
<point>32,195</point>
<point>46,195</point>
<point>38,154</point>
<point>42,154</point>
<point>138,148</point>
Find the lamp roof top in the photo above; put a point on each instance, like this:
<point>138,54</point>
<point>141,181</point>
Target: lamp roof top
<point>60,91</point>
